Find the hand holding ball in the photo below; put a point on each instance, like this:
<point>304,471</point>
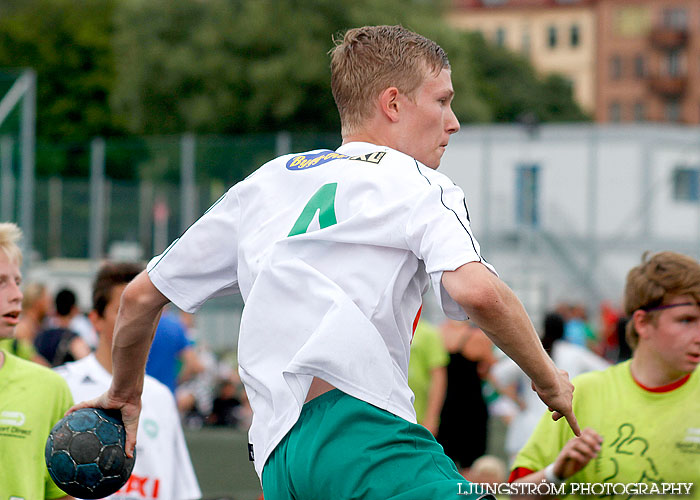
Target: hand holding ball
<point>85,453</point>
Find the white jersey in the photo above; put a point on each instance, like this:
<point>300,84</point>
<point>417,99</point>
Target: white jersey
<point>332,252</point>
<point>163,468</point>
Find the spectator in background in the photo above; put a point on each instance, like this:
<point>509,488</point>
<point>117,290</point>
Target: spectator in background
<point>624,351</point>
<point>81,325</point>
<point>36,306</point>
<point>172,358</point>
<point>427,375</point>
<point>488,469</point>
<point>228,372</point>
<point>225,406</point>
<point>59,344</point>
<point>607,345</point>
<point>510,379</point>
<point>163,468</point>
<point>576,329</point>
<point>21,349</point>
<point>464,417</point>
<point>195,396</point>
<point>33,397</point>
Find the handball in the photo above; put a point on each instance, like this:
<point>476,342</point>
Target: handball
<point>85,453</point>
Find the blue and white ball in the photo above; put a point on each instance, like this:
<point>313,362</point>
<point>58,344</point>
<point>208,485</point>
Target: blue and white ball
<point>85,453</point>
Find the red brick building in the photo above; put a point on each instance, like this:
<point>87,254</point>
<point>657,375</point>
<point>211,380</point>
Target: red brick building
<point>628,60</point>
<point>648,54</point>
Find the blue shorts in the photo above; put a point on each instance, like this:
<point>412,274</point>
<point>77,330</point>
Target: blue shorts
<point>345,448</point>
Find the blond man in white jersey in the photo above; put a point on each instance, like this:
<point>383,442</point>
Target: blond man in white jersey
<point>332,251</point>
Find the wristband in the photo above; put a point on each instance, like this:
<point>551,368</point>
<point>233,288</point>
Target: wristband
<point>550,476</point>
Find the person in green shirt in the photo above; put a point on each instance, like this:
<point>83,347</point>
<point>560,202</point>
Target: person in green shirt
<point>18,347</point>
<point>642,416</point>
<point>427,375</point>
<point>33,397</point>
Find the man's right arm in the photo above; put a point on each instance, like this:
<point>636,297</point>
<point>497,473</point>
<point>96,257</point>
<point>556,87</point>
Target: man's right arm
<point>493,306</point>
<point>139,312</point>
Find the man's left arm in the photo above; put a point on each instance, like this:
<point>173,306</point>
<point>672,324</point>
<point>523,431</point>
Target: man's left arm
<point>493,306</point>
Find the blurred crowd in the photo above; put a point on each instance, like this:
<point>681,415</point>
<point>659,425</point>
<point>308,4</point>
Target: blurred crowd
<point>460,379</point>
<point>53,331</point>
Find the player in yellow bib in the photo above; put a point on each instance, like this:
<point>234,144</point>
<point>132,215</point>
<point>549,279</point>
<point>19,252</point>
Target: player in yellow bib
<point>641,417</point>
<point>32,397</point>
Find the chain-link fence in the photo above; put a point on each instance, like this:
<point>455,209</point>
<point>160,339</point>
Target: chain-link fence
<point>135,195</point>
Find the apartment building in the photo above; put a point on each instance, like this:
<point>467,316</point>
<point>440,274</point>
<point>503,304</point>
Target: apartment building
<point>557,36</point>
<point>648,54</point>
<point>627,60</point>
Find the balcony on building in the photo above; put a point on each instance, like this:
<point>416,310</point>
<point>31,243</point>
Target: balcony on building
<point>668,85</point>
<point>667,37</point>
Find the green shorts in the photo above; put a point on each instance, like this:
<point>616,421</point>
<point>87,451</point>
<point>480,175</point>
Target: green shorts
<point>342,447</point>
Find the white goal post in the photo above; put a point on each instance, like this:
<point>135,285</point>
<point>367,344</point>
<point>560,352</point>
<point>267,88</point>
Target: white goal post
<point>23,92</point>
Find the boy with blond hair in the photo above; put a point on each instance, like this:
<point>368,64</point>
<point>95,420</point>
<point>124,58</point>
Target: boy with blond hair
<point>33,397</point>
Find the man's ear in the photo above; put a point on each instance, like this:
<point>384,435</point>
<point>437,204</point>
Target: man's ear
<point>94,318</point>
<point>642,322</point>
<point>389,103</point>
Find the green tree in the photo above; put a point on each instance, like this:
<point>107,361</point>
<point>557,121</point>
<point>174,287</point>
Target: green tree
<point>67,42</point>
<point>230,66</point>
<point>236,66</point>
<point>510,84</point>
<point>156,67</point>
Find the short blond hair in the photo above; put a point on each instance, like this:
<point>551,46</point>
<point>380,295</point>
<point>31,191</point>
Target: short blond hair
<point>10,234</point>
<point>33,293</point>
<point>368,60</point>
<point>657,280</point>
<point>489,469</point>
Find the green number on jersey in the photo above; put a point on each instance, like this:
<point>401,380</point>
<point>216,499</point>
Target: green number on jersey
<point>322,201</point>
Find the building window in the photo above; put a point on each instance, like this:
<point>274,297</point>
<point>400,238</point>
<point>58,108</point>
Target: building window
<point>686,184</point>
<point>527,194</point>
<point>575,35</point>
<point>501,37</point>
<point>640,67</point>
<point>615,112</point>
<point>640,111</point>
<point>632,21</point>
<point>552,37</point>
<point>675,18</point>
<point>672,111</point>
<point>615,67</point>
